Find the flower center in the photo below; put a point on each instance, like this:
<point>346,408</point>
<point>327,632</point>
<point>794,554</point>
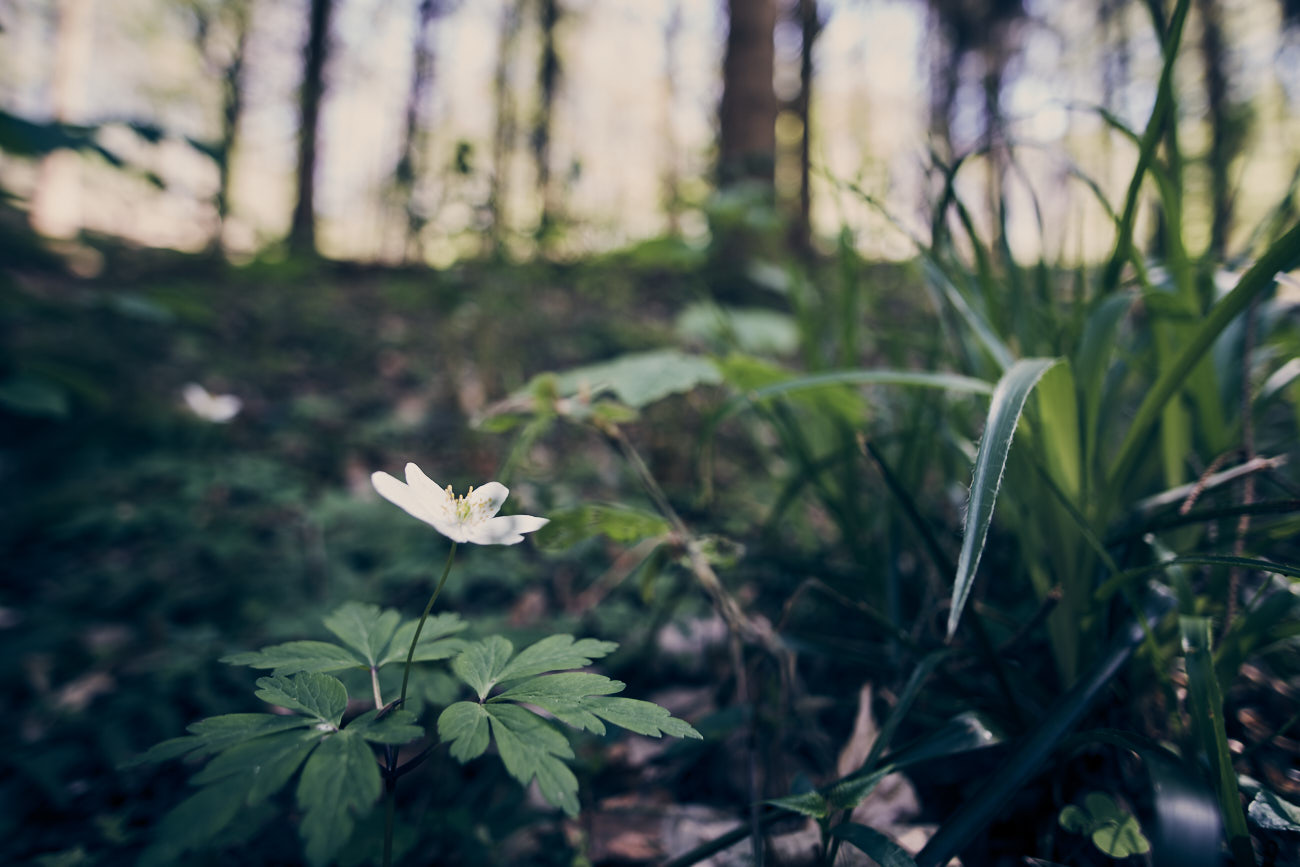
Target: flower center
<point>465,510</point>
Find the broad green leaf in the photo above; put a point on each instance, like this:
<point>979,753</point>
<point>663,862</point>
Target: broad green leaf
<point>481,663</point>
<point>320,695</point>
<point>1074,819</point>
<point>339,784</point>
<point>1269,811</point>
<point>364,628</point>
<point>1057,429</point>
<point>990,461</point>
<point>642,717</point>
<point>810,804</point>
<point>295,656</point>
<point>1121,839</point>
<point>620,524</point>
<point>199,817</point>
<point>1205,702</point>
<point>639,379</point>
<point>555,653</point>
<point>434,642</point>
<point>220,732</point>
<point>876,845</point>
<point>530,748</point>
<point>1102,807</point>
<point>396,727</point>
<point>751,330</point>
<point>465,725</point>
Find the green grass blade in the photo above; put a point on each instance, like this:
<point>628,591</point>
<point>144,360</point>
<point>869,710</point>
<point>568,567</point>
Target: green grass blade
<point>1281,256</point>
<point>1004,413</point>
<point>876,845</point>
<point>1150,141</point>
<point>1205,702</point>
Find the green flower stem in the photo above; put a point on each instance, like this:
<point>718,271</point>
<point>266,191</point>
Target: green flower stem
<point>446,570</point>
<point>390,784</point>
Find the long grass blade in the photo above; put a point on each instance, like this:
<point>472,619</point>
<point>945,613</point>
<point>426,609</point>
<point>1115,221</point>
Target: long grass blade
<point>1281,256</point>
<point>1205,702</point>
<point>1150,141</point>
<point>990,461</point>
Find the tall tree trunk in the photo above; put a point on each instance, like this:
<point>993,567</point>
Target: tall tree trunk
<point>504,138</point>
<point>407,169</point>
<point>810,26</point>
<point>1222,133</point>
<point>302,230</point>
<point>747,114</point>
<point>548,79</point>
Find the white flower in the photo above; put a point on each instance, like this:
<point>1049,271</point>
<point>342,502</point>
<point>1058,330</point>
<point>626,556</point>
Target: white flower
<point>216,408</point>
<point>471,518</point>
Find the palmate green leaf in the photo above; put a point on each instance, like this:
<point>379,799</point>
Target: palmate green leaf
<point>876,845</point>
<point>199,818</point>
<point>250,757</point>
<point>296,656</point>
<point>556,653</point>
<point>364,628</point>
<point>642,717</point>
<point>434,641</point>
<point>339,784</point>
<point>481,663</point>
<point>396,727</point>
<point>320,695</point>
<point>465,725</point>
<point>531,749</point>
<point>220,732</point>
<point>990,461</point>
<point>568,697</point>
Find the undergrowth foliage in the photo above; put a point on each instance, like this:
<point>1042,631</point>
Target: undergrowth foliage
<point>252,756</point>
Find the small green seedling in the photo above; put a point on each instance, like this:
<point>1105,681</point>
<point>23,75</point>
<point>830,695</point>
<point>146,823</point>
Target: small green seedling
<point>1113,830</point>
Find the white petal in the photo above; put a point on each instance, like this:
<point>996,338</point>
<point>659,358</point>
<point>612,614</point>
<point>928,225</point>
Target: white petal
<point>489,498</point>
<point>436,500</point>
<point>506,530</point>
<point>401,495</point>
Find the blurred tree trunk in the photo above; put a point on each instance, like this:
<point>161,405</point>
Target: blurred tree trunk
<point>407,169</point>
<point>945,66</point>
<point>1222,124</point>
<point>223,39</point>
<point>56,202</point>
<point>747,114</point>
<point>548,79</point>
<point>810,26</point>
<point>671,180</point>
<point>302,229</point>
<point>504,138</point>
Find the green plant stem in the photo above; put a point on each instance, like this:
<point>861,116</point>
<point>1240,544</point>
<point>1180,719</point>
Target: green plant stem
<point>390,783</point>
<point>415,639</point>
